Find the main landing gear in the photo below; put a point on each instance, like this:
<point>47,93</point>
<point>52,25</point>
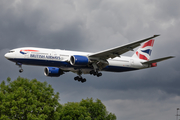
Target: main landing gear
<point>20,65</point>
<point>95,73</point>
<point>79,77</point>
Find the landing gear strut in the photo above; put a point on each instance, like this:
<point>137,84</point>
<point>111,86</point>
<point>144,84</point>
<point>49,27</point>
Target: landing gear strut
<point>79,77</point>
<point>20,65</point>
<point>95,71</point>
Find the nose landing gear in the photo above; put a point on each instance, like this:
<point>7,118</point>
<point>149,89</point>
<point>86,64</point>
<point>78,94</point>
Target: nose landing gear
<point>20,65</point>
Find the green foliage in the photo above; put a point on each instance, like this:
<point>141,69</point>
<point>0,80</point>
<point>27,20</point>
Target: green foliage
<point>28,99</point>
<point>86,110</point>
<point>73,111</point>
<point>97,110</point>
<point>25,99</point>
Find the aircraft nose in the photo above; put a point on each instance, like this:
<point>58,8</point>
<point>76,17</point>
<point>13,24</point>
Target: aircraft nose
<point>7,56</point>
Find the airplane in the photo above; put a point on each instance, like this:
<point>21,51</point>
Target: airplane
<point>58,61</point>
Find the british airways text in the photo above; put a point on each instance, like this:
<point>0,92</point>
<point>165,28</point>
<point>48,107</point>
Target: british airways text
<point>45,56</point>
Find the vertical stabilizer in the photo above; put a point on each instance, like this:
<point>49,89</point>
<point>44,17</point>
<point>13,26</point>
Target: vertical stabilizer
<point>144,52</point>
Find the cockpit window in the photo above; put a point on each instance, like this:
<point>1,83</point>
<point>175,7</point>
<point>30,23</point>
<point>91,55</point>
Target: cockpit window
<point>11,51</point>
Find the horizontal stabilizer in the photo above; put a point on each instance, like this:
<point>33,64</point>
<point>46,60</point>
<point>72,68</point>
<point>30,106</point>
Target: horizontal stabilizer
<point>157,60</point>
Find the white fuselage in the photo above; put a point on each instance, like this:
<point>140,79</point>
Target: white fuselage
<point>57,61</point>
<point>61,59</point>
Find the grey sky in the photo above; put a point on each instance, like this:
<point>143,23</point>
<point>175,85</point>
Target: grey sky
<point>92,26</point>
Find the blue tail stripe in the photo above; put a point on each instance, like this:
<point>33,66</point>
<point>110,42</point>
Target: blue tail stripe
<point>148,51</point>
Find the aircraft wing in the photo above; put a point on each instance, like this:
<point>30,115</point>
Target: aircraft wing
<point>157,60</point>
<point>117,51</point>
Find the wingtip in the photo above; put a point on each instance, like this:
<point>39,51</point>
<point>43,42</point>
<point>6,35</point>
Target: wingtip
<point>156,35</point>
<point>172,56</point>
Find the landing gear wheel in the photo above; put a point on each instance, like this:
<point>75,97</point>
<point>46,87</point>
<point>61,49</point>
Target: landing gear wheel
<point>95,73</point>
<point>76,78</point>
<point>21,70</point>
<point>99,74</point>
<point>92,72</point>
<point>80,79</point>
<point>83,80</point>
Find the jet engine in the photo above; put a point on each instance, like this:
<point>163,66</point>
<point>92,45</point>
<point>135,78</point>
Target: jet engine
<point>53,71</point>
<point>78,60</point>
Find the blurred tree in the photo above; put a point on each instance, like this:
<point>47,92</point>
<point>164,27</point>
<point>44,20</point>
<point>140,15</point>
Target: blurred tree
<point>73,111</point>
<point>97,110</point>
<point>25,99</point>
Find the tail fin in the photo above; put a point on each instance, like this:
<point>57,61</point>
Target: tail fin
<point>144,52</point>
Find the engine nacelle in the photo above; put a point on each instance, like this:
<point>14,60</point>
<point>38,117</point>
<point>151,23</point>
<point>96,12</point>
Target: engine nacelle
<point>79,60</point>
<point>53,71</point>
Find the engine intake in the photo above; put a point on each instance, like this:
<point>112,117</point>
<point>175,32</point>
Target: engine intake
<point>79,60</point>
<point>53,71</point>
